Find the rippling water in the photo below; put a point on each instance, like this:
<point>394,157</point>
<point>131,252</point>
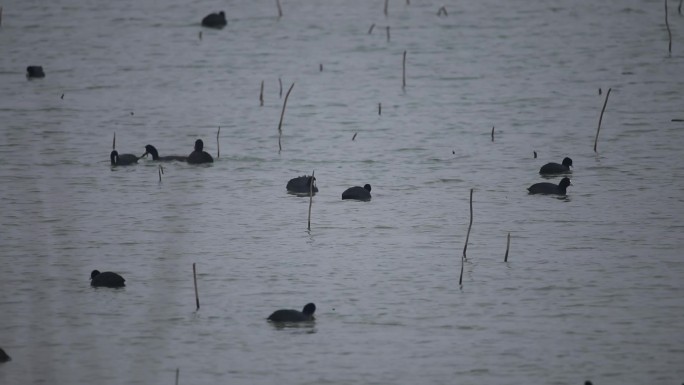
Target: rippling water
<point>593,285</point>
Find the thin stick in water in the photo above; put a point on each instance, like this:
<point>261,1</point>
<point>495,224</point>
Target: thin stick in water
<point>469,226</point>
<point>403,71</point>
<point>508,245</point>
<point>280,83</point>
<point>320,67</point>
<point>114,142</point>
<point>535,154</point>
<point>0,15</point>
<point>282,115</point>
<point>311,197</point>
<point>261,95</point>
<point>386,5</point>
<point>354,137</point>
<point>280,9</point>
<point>218,144</point>
<point>161,171</point>
<point>370,30</point>
<point>379,108</point>
<point>601,118</point>
<point>492,133</point>
<point>460,277</point>
<point>669,34</point>
<point>679,8</point>
<point>194,277</point>
<point>62,97</point>
<point>388,33</point>
<point>441,11</point>
<point>200,35</point>
<point>177,375</point>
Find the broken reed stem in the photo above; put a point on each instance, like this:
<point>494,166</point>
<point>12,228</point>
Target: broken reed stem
<point>441,11</point>
<point>280,9</point>
<point>261,95</point>
<point>354,137</point>
<point>469,226</point>
<point>388,33</point>
<point>200,35</point>
<point>0,15</point>
<point>218,145</point>
<point>282,115</point>
<point>194,277</point>
<point>379,108</point>
<point>403,71</point>
<point>508,245</point>
<point>492,133</point>
<point>386,5</point>
<point>311,198</point>
<point>460,277</point>
<point>114,142</point>
<point>280,82</point>
<point>535,154</point>
<point>161,171</point>
<point>601,118</point>
<point>177,375</point>
<point>669,34</point>
<point>679,8</point>
<point>370,30</point>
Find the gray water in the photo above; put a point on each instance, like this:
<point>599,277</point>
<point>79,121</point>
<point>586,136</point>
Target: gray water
<point>592,289</point>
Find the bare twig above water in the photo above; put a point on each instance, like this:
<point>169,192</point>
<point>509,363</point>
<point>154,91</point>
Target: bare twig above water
<point>311,197</point>
<point>386,5</point>
<point>218,144</point>
<point>280,83</point>
<point>161,171</point>
<point>442,11</point>
<point>379,108</point>
<point>508,245</point>
<point>177,375</point>
<point>194,277</point>
<point>403,71</point>
<point>388,33</point>
<point>492,133</point>
<point>601,118</point>
<point>280,9</point>
<point>261,95</point>
<point>669,34</point>
<point>465,247</point>
<point>370,30</point>
<point>282,115</point>
<point>114,142</point>
<point>354,137</point>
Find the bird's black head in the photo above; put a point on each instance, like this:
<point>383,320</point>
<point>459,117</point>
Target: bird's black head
<point>94,274</point>
<point>309,309</point>
<point>367,187</point>
<point>567,162</point>
<point>199,145</point>
<point>150,149</point>
<point>565,182</point>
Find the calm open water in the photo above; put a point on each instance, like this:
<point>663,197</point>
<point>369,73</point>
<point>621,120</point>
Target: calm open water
<point>593,288</point>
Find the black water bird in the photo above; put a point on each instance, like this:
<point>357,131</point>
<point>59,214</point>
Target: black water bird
<point>123,159</point>
<point>555,168</point>
<point>550,188</point>
<point>35,72</point>
<point>150,149</point>
<point>215,20</point>
<point>4,357</point>
<point>302,185</point>
<point>199,155</point>
<point>358,193</point>
<point>106,279</point>
<point>290,315</point>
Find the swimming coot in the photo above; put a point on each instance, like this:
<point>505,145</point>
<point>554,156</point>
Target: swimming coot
<point>550,188</point>
<point>289,315</point>
<point>302,185</point>
<point>106,279</point>
<point>358,193</point>
<point>555,168</point>
<point>199,155</point>
<point>35,72</point>
<point>123,159</point>
<point>215,20</point>
<point>150,149</point>
<point>4,357</point>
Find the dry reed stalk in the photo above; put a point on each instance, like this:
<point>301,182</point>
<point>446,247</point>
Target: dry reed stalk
<point>261,95</point>
<point>441,11</point>
<point>280,83</point>
<point>403,71</point>
<point>218,144</point>
<point>282,115</point>
<point>161,171</point>
<point>535,154</point>
<point>311,198</point>
<point>465,247</point>
<point>194,277</point>
<point>0,15</point>
<point>601,118</point>
<point>379,108</point>
<point>200,35</point>
<point>114,142</point>
<point>177,375</point>
<point>679,8</point>
<point>508,245</point>
<point>370,30</point>
<point>386,5</point>
<point>280,9</point>
<point>492,133</point>
<point>669,34</point>
<point>320,67</point>
<point>388,33</point>
<point>354,137</point>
